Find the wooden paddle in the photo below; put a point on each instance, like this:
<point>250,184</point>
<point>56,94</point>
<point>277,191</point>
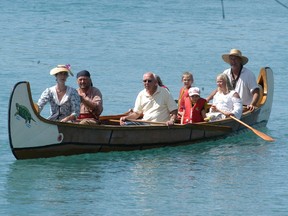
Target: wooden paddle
<point>109,117</point>
<point>194,125</point>
<point>258,133</point>
<point>139,120</point>
<point>149,122</point>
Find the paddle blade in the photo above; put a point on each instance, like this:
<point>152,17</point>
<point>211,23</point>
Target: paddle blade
<point>263,136</point>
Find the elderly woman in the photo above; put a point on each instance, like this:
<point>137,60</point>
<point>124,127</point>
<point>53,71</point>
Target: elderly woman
<point>64,100</point>
<point>226,101</point>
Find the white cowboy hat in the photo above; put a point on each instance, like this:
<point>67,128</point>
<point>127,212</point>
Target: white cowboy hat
<point>61,68</point>
<point>235,52</point>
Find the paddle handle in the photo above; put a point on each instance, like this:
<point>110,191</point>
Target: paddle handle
<point>149,122</point>
<point>241,122</point>
<point>139,120</point>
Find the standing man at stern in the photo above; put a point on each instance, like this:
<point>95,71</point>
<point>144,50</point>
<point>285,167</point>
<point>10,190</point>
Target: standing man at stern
<point>91,99</point>
<point>242,79</point>
<point>155,103</point>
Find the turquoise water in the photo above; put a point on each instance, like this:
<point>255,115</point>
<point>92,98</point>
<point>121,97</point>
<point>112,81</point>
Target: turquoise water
<point>117,41</point>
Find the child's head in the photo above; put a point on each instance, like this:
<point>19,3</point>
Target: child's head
<point>194,94</point>
<point>223,82</point>
<point>187,79</point>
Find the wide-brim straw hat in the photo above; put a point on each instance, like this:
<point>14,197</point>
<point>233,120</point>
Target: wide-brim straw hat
<point>235,52</point>
<point>61,68</point>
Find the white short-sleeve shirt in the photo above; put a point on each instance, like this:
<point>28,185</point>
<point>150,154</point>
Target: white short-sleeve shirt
<point>245,84</point>
<point>156,107</point>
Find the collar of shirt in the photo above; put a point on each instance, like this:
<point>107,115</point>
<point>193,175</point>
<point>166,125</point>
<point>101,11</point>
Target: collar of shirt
<point>156,92</point>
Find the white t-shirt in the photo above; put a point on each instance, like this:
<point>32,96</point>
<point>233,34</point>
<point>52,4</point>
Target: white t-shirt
<point>245,84</point>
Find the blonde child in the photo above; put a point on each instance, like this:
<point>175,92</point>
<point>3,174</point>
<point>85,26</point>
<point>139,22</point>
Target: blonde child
<point>187,80</point>
<point>226,101</point>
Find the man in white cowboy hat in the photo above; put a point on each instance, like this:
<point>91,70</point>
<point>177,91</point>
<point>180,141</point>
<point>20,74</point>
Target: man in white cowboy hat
<point>241,78</point>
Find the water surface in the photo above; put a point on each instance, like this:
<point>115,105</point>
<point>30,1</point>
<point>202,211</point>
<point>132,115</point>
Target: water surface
<point>117,42</point>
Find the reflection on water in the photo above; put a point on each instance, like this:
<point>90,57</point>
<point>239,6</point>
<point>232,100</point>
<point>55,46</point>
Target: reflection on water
<point>101,178</point>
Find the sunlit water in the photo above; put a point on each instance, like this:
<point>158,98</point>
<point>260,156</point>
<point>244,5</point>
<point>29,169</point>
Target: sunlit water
<point>117,41</point>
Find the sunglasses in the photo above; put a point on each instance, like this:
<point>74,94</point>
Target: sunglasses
<point>149,81</point>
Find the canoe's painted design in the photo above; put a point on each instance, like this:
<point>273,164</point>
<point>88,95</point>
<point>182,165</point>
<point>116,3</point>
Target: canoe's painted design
<point>24,113</point>
<point>32,136</point>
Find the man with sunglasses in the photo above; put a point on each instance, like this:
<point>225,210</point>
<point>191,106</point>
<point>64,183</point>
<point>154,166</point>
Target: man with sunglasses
<point>154,103</point>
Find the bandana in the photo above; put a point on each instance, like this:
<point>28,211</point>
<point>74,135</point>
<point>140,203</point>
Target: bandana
<point>83,73</point>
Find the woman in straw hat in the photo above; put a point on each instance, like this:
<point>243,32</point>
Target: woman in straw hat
<point>241,78</point>
<point>64,100</point>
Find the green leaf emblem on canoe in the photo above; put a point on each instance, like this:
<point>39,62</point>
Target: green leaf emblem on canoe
<point>23,112</point>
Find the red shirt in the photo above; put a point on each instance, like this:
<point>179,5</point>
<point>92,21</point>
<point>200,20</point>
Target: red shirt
<point>182,94</point>
<point>192,112</point>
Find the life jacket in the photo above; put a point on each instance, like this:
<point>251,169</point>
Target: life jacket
<point>182,95</point>
<point>193,114</point>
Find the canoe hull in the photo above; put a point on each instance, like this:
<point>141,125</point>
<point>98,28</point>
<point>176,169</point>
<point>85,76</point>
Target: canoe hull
<point>75,140</point>
<point>32,136</point>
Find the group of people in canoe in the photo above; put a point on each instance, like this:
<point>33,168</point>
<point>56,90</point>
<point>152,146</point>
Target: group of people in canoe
<point>236,87</point>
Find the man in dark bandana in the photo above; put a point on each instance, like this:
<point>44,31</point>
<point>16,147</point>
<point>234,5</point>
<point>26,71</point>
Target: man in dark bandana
<point>91,99</point>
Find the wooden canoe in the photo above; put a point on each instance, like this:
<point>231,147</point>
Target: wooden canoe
<point>32,136</point>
